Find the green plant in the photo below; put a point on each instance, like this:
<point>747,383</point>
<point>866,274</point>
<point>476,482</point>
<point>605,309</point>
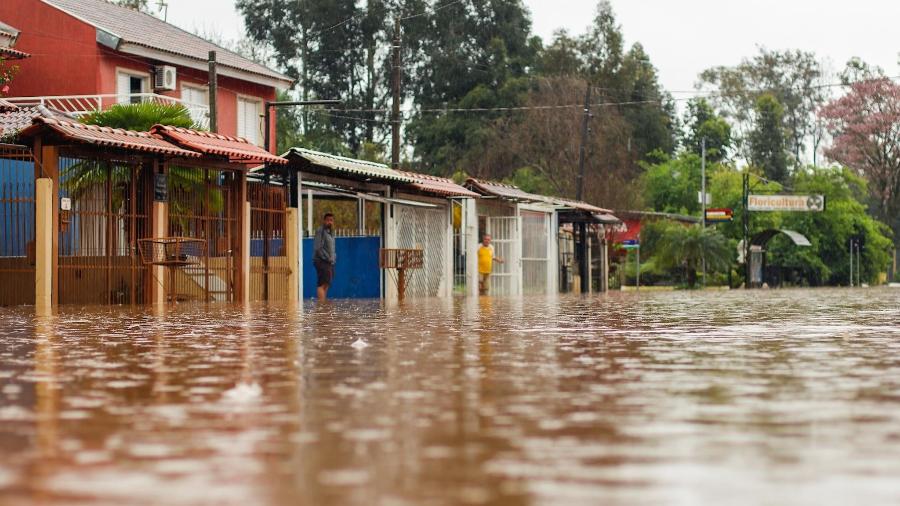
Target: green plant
<point>688,247</point>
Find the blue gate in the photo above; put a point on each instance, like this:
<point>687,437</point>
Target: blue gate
<point>356,275</point>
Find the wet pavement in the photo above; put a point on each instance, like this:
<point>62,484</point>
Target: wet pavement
<point>766,397</point>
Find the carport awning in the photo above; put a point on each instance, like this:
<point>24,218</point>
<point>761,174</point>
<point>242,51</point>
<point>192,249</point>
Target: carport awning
<point>360,169</point>
<point>764,237</point>
<point>329,189</point>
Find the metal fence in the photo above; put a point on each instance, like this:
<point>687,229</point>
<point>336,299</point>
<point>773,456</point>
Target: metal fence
<point>535,229</point>
<point>17,174</point>
<point>459,247</point>
<point>426,229</point>
<point>200,207</point>
<point>104,212</point>
<point>269,267</point>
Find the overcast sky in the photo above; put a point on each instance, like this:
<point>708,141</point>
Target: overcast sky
<point>683,37</point>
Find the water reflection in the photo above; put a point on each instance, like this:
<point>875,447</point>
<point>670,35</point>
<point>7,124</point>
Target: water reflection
<point>783,396</point>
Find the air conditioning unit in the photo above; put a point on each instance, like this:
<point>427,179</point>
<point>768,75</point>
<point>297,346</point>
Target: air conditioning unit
<point>164,78</point>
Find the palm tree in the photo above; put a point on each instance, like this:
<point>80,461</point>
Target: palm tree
<point>86,175</point>
<point>687,248</point>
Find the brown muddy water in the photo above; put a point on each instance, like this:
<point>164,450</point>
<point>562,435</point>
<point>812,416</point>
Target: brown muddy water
<point>766,397</point>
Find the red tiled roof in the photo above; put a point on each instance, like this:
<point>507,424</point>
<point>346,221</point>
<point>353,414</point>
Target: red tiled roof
<point>437,185</point>
<point>109,137</point>
<point>14,119</point>
<point>209,143</point>
<point>13,54</point>
<point>132,27</point>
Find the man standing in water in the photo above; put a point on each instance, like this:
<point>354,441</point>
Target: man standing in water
<point>324,256</point>
<point>486,261</point>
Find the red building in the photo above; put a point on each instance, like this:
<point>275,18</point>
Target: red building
<point>89,54</point>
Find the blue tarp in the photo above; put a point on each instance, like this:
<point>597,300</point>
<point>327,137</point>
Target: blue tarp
<point>356,275</point>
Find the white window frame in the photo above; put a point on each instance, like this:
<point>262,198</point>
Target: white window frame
<point>260,133</point>
<point>125,97</point>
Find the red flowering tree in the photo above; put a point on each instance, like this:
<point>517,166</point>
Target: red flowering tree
<point>6,74</point>
<point>865,125</point>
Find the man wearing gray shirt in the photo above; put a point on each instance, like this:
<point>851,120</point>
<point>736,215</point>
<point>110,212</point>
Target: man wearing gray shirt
<point>324,256</point>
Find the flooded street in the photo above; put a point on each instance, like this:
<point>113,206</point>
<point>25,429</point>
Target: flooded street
<point>765,397</point>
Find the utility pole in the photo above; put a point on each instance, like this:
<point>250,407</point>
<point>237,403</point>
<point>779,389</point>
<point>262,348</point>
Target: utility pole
<point>213,93</point>
<point>579,193</point>
<point>582,227</point>
<point>746,220</point>
<point>851,263</point>
<point>395,91</point>
<point>703,200</point>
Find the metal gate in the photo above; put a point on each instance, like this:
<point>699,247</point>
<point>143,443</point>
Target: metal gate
<point>16,226</point>
<point>535,229</point>
<point>199,207</point>
<point>99,261</point>
<point>460,244</point>
<point>269,269</point>
<point>504,233</point>
<point>424,228</point>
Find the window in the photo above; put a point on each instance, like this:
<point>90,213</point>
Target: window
<point>129,87</point>
<point>249,123</point>
<point>197,102</point>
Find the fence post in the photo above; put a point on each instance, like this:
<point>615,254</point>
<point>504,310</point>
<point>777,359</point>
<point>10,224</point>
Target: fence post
<point>472,241</point>
<point>245,255</point>
<point>50,167</point>
<point>292,243</point>
<point>43,241</point>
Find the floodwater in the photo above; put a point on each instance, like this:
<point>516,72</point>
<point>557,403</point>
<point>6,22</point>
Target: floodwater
<point>765,397</point>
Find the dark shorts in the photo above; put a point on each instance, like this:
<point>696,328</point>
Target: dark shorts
<point>324,272</point>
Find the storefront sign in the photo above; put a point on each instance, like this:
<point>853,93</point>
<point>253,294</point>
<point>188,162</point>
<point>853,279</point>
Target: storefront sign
<point>786,203</point>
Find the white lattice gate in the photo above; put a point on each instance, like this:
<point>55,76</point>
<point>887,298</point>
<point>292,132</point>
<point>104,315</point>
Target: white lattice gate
<point>424,228</point>
<point>504,234</point>
<point>535,233</point>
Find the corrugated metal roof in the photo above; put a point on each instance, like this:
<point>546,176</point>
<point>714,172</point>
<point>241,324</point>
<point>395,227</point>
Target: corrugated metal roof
<point>109,137</point>
<point>210,143</point>
<point>437,185</point>
<point>359,168</point>
<point>148,31</point>
<point>510,192</point>
<point>501,190</point>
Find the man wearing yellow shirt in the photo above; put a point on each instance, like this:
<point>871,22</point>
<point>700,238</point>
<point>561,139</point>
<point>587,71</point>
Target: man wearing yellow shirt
<point>486,261</point>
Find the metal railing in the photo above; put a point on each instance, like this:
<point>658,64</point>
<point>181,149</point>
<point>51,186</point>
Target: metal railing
<point>78,105</point>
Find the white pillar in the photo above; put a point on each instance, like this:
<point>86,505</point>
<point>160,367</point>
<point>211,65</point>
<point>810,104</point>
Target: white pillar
<point>516,253</point>
<point>471,232</point>
<point>553,254</point>
<point>448,252</point>
<point>389,241</point>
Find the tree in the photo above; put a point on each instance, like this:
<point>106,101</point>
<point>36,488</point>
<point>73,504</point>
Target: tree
<point>827,261</point>
<point>671,186</point>
<point>138,5</point>
<point>547,141</point>
<point>688,247</point>
<point>790,76</point>
<point>767,139</point>
<point>865,125</point>
<point>702,122</point>
<point>82,177</point>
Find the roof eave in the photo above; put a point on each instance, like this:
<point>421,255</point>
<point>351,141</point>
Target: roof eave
<point>282,82</point>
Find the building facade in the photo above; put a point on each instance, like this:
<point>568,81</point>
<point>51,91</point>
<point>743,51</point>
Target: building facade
<point>89,54</point>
